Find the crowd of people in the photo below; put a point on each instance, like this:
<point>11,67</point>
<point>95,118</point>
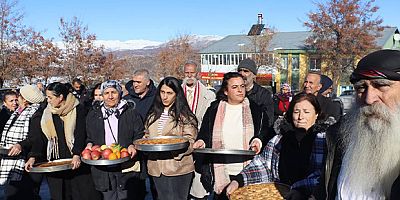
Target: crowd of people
<point>302,140</point>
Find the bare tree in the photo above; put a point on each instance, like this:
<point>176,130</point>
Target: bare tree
<point>342,32</point>
<point>172,57</point>
<point>10,28</point>
<point>80,54</point>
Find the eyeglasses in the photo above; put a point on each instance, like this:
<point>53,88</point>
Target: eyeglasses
<point>243,70</point>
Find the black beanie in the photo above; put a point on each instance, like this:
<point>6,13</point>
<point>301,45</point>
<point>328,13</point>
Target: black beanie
<point>248,64</point>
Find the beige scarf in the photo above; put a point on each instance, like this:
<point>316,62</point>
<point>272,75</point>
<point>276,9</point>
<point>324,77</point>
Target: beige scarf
<point>67,113</point>
<point>221,177</point>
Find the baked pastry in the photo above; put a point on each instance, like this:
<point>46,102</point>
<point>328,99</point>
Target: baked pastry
<point>156,141</point>
<point>53,163</point>
<point>264,191</point>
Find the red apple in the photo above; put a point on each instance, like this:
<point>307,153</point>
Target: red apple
<point>96,147</point>
<point>86,151</point>
<point>86,156</point>
<point>95,155</point>
<point>124,154</point>
<point>106,153</point>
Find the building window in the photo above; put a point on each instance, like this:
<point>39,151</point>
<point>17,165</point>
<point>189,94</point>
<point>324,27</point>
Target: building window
<point>295,73</point>
<point>284,62</point>
<point>315,64</point>
<point>295,62</point>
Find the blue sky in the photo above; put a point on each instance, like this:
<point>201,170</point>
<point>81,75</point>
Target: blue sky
<point>161,20</point>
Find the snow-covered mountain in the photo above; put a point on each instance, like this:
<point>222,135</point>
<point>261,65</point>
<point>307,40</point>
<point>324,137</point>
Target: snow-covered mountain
<point>148,47</point>
<point>117,45</point>
<point>197,41</point>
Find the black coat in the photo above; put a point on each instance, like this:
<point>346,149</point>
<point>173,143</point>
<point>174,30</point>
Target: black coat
<point>261,127</point>
<point>144,104</point>
<point>39,140</point>
<point>5,114</point>
<point>329,108</point>
<point>263,98</point>
<point>130,128</point>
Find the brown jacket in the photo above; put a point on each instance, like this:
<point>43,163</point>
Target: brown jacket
<point>172,163</point>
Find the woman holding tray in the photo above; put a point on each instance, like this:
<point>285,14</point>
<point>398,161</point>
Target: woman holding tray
<point>170,115</point>
<point>58,132</point>
<point>116,121</point>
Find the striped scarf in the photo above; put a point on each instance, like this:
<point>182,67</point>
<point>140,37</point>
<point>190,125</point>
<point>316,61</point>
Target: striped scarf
<point>221,177</point>
<point>12,168</point>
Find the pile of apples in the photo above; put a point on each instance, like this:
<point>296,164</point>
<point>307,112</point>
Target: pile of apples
<point>105,152</point>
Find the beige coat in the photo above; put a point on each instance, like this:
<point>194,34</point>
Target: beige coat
<point>175,163</point>
<point>206,96</point>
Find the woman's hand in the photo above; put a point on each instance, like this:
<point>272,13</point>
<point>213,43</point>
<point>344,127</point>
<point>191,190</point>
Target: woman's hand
<point>234,185</point>
<point>76,161</point>
<point>29,164</point>
<point>199,144</point>
<point>256,145</point>
<point>15,150</point>
<point>132,150</point>
<point>89,146</point>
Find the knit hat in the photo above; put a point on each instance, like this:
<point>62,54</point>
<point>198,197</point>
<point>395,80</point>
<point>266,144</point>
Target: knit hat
<point>326,83</point>
<point>31,93</point>
<point>113,84</point>
<point>381,64</point>
<point>248,64</point>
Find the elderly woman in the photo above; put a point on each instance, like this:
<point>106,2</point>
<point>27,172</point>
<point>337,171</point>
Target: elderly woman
<point>116,121</point>
<point>295,156</point>
<point>59,132</point>
<point>171,115</point>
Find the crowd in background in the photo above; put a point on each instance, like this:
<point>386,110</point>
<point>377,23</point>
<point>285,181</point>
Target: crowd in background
<point>287,131</point>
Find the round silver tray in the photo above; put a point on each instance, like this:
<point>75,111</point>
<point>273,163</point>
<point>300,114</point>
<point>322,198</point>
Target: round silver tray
<point>4,150</point>
<point>57,168</point>
<point>161,147</point>
<point>225,151</point>
<point>102,162</point>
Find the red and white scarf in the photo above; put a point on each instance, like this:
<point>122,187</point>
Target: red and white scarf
<point>196,95</point>
<point>221,177</point>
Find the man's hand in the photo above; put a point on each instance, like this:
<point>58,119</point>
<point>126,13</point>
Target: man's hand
<point>199,144</point>
<point>76,161</point>
<point>132,150</point>
<point>29,164</point>
<point>15,150</point>
<point>256,145</point>
<point>234,185</point>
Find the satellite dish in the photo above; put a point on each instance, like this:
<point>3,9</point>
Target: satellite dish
<point>396,37</point>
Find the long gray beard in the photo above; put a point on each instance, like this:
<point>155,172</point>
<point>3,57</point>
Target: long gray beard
<point>371,139</point>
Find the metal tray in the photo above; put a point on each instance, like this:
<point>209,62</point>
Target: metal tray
<point>102,162</point>
<point>4,150</point>
<point>161,147</point>
<point>57,168</point>
<point>225,151</point>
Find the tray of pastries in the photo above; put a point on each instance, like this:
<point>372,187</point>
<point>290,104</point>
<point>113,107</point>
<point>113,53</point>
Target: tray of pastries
<point>263,191</point>
<point>161,143</point>
<point>52,166</point>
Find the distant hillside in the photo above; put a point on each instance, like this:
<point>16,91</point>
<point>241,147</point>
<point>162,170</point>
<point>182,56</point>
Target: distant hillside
<point>140,47</point>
